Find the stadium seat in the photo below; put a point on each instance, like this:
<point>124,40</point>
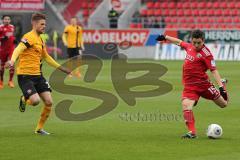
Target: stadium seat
<point>150,12</point>
<point>231,5</point>
<point>143,12</point>
<point>209,5</point>
<point>150,5</point>
<point>194,4</point>
<point>133,25</point>
<point>158,13</point>
<point>172,12</point>
<point>157,5</point>
<point>171,5</point>
<point>216,5</point>
<point>223,5</point>
<point>188,12</point>
<point>164,5</point>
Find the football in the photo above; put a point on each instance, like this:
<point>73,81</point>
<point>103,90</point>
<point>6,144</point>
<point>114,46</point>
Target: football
<point>214,131</point>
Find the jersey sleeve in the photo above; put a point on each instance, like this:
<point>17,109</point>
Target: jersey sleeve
<point>184,45</point>
<point>66,29</point>
<point>210,63</point>
<point>27,41</point>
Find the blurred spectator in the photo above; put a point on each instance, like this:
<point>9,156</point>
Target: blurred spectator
<point>113,18</point>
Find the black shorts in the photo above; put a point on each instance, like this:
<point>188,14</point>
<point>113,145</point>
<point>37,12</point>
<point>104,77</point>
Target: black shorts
<point>73,52</point>
<point>31,84</point>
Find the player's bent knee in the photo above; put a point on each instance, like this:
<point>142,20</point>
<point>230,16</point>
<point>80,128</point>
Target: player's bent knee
<point>35,100</point>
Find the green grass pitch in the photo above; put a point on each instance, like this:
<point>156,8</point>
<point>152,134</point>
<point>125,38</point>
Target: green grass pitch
<point>111,137</point>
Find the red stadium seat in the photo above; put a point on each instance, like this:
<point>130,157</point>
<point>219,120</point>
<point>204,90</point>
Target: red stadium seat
<point>150,5</point>
<point>133,25</point>
<point>139,25</point>
<point>179,5</point>
<point>205,19</point>
<point>150,12</point>
<point>235,12</point>
<point>158,12</point>
<point>209,5</point>
<point>157,5</point>
<point>187,12</point>
<point>180,12</point>
<point>195,12</point>
<point>238,5</point>
<point>227,19</point>
<point>194,5</point>
<point>85,13</point>
<point>186,5</point>
<point>236,20</point>
<point>201,4</point>
<point>190,20</point>
<point>172,12</point>
<point>174,20</point>
<point>84,5</point>
<point>216,5</point>
<point>220,20</point>
<point>223,5</point>
<point>165,12</point>
<point>143,12</point>
<point>91,5</point>
<point>226,12</point>
<point>231,4</point>
<point>168,19</point>
<point>164,5</point>
<point>218,12</point>
<point>210,12</point>
<point>171,5</point>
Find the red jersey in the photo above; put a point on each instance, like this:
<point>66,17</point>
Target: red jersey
<point>196,64</point>
<point>7,30</point>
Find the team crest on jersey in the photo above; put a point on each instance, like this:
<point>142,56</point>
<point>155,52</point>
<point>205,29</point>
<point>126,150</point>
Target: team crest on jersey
<point>199,55</point>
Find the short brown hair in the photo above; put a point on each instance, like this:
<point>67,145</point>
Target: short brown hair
<point>38,16</point>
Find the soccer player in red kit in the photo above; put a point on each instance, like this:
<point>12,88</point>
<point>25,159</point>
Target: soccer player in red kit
<point>7,40</point>
<point>196,82</point>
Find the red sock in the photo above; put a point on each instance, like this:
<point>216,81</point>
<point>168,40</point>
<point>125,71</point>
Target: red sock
<point>11,73</point>
<point>189,120</point>
<point>1,72</point>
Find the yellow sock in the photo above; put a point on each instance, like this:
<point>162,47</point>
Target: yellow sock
<point>43,118</point>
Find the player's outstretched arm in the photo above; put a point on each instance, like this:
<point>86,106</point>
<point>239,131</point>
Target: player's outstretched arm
<point>17,51</point>
<point>217,78</point>
<point>169,38</point>
<point>54,64</point>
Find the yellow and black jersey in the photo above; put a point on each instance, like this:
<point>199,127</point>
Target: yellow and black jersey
<point>74,36</point>
<point>30,51</point>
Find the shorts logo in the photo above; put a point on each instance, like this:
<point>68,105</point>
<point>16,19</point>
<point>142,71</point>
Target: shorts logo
<point>29,91</point>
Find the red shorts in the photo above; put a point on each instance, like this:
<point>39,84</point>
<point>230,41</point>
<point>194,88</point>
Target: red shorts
<point>207,91</point>
<point>5,55</point>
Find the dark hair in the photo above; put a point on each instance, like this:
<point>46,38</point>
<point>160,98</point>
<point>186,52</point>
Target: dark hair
<point>38,16</point>
<point>198,34</point>
<point>6,15</point>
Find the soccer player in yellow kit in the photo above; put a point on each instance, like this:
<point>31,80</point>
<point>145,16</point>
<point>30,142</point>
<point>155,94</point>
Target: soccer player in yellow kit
<point>73,40</point>
<point>30,52</point>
